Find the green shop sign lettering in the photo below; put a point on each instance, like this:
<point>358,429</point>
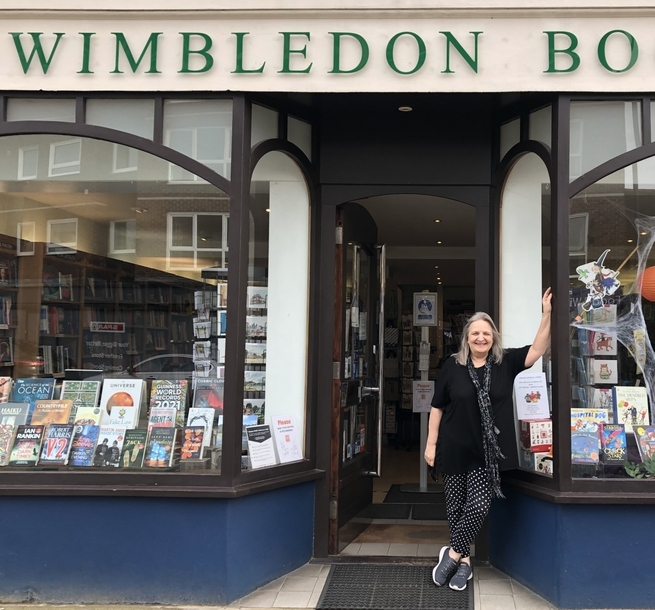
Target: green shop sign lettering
<point>197,52</point>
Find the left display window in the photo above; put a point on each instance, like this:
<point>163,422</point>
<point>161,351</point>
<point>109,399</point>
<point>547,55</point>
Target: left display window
<point>113,303</point>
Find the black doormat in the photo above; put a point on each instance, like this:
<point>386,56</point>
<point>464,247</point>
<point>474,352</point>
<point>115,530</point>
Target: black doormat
<point>389,587</point>
<point>386,511</point>
<point>395,496</point>
<point>428,512</point>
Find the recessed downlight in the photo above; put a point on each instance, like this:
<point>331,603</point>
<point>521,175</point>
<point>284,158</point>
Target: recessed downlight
<point>437,220</point>
<point>405,108</point>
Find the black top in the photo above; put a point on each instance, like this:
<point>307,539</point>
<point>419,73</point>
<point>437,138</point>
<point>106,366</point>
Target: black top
<point>459,444</point>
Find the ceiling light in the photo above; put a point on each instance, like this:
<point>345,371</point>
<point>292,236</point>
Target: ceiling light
<point>267,210</point>
<point>405,108</point>
<point>436,266</point>
<point>438,242</point>
<point>630,241</point>
<point>643,233</point>
<point>437,220</point>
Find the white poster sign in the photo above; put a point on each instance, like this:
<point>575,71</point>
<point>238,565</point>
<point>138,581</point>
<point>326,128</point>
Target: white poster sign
<point>423,393</point>
<point>531,393</point>
<point>425,309</point>
<point>287,438</point>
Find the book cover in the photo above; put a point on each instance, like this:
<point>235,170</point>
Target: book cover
<point>192,443</point>
<point>51,412</point>
<point>160,448</point>
<point>27,445</point>
<point>5,388</point>
<point>14,413</point>
<point>82,394</point>
<point>123,416</point>
<point>613,444</point>
<point>88,416</point>
<point>121,393</point>
<point>57,444</point>
<point>162,418</point>
<point>31,390</point>
<point>108,449</point>
<point>209,393</point>
<point>588,420</point>
<point>134,448</point>
<point>202,416</point>
<point>6,441</point>
<point>170,394</point>
<point>85,439</point>
<point>603,398</point>
<point>631,406</point>
<point>585,447</point>
<point>645,437</point>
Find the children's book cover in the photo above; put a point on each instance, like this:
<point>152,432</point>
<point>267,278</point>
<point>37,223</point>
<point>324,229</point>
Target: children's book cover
<point>85,439</point>
<point>170,394</point>
<point>82,394</point>
<point>57,444</point>
<point>30,390</point>
<point>202,416</point>
<point>192,443</point>
<point>160,448</point>
<point>27,446</point>
<point>14,413</point>
<point>209,393</point>
<point>134,448</point>
<point>603,398</point>
<point>51,412</point>
<point>121,393</point>
<point>613,444</point>
<point>631,406</point>
<point>6,441</point>
<point>5,388</point>
<point>645,437</point>
<point>588,420</point>
<point>604,343</point>
<point>605,371</point>
<point>585,447</point>
<point>108,449</point>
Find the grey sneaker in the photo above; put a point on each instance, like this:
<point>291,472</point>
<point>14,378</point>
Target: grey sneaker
<point>445,568</point>
<point>462,576</point>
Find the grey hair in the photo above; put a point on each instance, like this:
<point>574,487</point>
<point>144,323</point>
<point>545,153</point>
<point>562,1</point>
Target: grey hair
<point>462,355</point>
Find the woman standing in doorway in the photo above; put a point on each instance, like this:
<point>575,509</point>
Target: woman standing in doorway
<point>473,421</point>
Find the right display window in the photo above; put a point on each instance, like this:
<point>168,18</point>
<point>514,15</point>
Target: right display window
<point>612,317</point>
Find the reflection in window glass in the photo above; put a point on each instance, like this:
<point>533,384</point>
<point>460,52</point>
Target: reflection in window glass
<point>612,364</point>
<point>131,116</point>
<point>525,275</point>
<point>601,131</point>
<point>510,135</point>
<point>264,124</point>
<point>28,162</point>
<point>541,125</point>
<point>202,130</point>
<point>39,109</point>
<point>108,279</point>
<point>300,133</point>
<point>275,377</point>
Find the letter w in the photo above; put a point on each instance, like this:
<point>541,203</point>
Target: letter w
<point>36,48</point>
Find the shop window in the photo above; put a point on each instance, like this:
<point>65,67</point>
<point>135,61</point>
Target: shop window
<point>40,109</point>
<point>132,116</point>
<point>612,321</point>
<point>510,135</point>
<point>122,237</point>
<point>28,162</point>
<point>601,131</point>
<point>264,125</point>
<point>197,241</point>
<point>132,349</point>
<point>277,314</point>
<point>525,275</point>
<point>300,133</point>
<point>65,158</point>
<point>62,236</point>
<point>541,125</point>
<point>202,130</point>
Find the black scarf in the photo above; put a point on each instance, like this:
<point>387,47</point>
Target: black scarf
<point>492,452</point>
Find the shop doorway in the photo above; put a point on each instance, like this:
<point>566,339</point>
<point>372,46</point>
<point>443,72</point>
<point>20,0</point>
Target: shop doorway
<point>389,248</point>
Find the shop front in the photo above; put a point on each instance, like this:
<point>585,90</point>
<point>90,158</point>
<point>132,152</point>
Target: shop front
<point>212,226</point>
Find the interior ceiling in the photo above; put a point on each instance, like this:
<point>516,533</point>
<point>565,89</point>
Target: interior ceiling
<point>406,224</point>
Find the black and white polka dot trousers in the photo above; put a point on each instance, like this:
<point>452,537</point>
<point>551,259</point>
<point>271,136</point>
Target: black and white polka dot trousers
<point>468,497</point>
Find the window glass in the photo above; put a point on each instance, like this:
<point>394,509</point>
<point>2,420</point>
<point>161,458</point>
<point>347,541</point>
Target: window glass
<point>510,135</point>
<point>28,109</point>
<point>525,275</point>
<point>300,133</point>
<point>264,124</point>
<point>541,125</point>
<point>612,318</point>
<point>132,116</point>
<point>113,299</point>
<point>277,312</point>
<point>202,130</point>
<point>601,131</point>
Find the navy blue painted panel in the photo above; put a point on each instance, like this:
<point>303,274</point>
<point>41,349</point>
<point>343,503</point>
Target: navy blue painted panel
<point>523,542</point>
<point>151,550</point>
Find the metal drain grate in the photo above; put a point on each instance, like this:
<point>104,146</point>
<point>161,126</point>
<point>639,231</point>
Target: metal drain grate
<point>389,587</point>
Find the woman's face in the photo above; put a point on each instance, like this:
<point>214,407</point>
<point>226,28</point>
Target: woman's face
<point>480,338</point>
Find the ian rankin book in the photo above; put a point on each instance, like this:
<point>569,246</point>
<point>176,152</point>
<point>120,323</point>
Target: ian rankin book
<point>27,445</point>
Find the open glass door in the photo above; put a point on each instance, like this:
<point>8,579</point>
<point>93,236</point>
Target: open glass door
<point>357,400</point>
